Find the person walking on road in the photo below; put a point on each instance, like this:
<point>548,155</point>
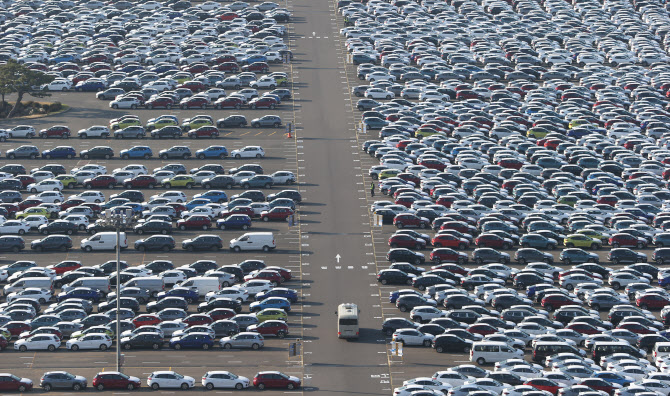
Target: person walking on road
<point>372,189</point>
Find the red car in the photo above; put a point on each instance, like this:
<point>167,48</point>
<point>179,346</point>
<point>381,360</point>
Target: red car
<point>71,202</point>
<point>28,203</point>
<point>652,301</point>
<point>221,313</point>
<point>231,67</point>
<point>115,380</point>
<point>511,163</point>
<point>544,384</point>
<point>178,207</point>
<point>141,181</point>
<point>195,68</point>
<point>197,320</point>
<point>445,201</point>
<point>9,382</point>
<point>276,213</point>
<point>493,241</point>
<point>238,210</point>
<point>228,16</point>
<point>56,131</point>
<point>442,255</point>
<point>194,103</point>
<point>265,274</point>
<point>146,320</point>
<point>482,328</point>
<point>405,201</point>
<point>262,103</point>
<point>453,268</point>
<point>627,240</point>
<point>459,226</point>
<point>3,343</point>
<point>25,180</point>
<point>228,103</point>
<point>584,328</point>
<point>275,379</point>
<point>225,58</point>
<point>95,58</point>
<point>160,102</point>
<point>195,86</point>
<point>65,266</point>
<point>285,273</point>
<point>449,241</point>
<point>555,301</point>
<point>410,220</point>
<point>433,164</point>
<point>636,328</point>
<point>411,177</point>
<point>406,241</point>
<point>608,199</point>
<point>599,384</point>
<point>195,222</point>
<point>93,206</point>
<point>275,328</point>
<point>204,131</point>
<point>11,208</point>
<point>100,181</point>
<point>15,327</point>
<point>260,67</point>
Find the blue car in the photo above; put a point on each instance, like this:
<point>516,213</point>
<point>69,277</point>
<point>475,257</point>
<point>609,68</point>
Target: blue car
<point>137,208</point>
<point>289,294</point>
<point>194,203</point>
<point>255,58</point>
<point>212,152</point>
<point>192,341</point>
<point>238,221</point>
<point>162,68</point>
<point>272,302</point>
<point>84,293</point>
<point>614,378</point>
<point>137,152</point>
<point>184,292</point>
<point>215,196</point>
<point>62,58</point>
<point>89,86</point>
<point>44,321</point>
<point>113,203</point>
<point>59,152</point>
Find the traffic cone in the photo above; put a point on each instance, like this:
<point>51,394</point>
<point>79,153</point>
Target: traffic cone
<point>288,135</point>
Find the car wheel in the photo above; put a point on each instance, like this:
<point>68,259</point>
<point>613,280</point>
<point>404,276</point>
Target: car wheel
<point>115,106</point>
<point>21,388</point>
<point>209,386</point>
<point>261,386</point>
<point>615,244</point>
<point>88,249</point>
<point>644,306</point>
<point>481,361</point>
<point>569,245</point>
<point>47,387</point>
<point>103,347</point>
<point>155,386</point>
<point>596,307</point>
<point>551,247</point>
<point>23,348</point>
<point>130,387</point>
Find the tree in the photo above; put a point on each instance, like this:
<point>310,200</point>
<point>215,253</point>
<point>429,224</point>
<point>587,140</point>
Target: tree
<point>19,79</point>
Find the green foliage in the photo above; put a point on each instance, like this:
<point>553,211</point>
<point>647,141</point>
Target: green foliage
<point>18,79</point>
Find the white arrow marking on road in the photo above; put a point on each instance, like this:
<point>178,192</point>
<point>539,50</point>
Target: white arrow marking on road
<point>338,257</point>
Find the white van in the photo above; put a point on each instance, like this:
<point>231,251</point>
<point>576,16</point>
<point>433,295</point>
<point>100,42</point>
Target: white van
<point>104,241</point>
<point>484,352</point>
<point>203,284</point>
<point>661,349</point>
<point>99,283</point>
<point>347,321</point>
<point>264,241</point>
<point>22,284</point>
<point>154,284</point>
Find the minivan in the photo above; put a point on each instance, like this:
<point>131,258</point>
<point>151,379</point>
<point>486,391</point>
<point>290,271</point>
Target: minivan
<point>661,349</point>
<point>153,284</point>
<point>254,241</point>
<point>98,283</point>
<point>203,284</point>
<point>104,241</point>
<point>347,321</point>
<point>543,349</point>
<point>22,284</point>
<point>484,352</point>
<point>601,349</point>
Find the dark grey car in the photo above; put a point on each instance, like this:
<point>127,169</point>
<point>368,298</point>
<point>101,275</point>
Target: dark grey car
<point>62,380</point>
<point>24,151</point>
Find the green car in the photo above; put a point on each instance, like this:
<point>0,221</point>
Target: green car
<point>187,125</point>
<point>593,234</point>
<point>537,133</point>
<point>582,241</point>
<point>179,181</point>
<point>92,330</point>
<point>158,124</point>
<point>271,314</point>
<point>569,200</point>
<point>67,180</point>
<point>126,123</point>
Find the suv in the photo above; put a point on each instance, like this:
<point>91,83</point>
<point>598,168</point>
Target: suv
<point>626,256</point>
<point>175,152</point>
<point>232,121</point>
<point>276,328</point>
<point>25,151</point>
<point>156,242</point>
<point>52,242</point>
<point>62,380</point>
<point>100,152</point>
<point>203,242</point>
<point>275,379</point>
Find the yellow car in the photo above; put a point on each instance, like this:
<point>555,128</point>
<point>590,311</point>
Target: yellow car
<point>568,200</point>
<point>36,210</point>
<point>163,122</point>
<point>271,314</point>
<point>388,173</point>
<point>423,133</point>
<point>187,125</point>
<point>537,133</point>
<point>182,77</point>
<point>280,77</point>
<point>126,123</point>
<point>67,180</point>
<point>179,181</point>
<point>577,122</point>
<point>582,241</point>
<point>92,330</point>
<point>5,333</point>
<point>593,234</point>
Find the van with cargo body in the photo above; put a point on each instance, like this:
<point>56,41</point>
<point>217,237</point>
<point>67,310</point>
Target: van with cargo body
<point>98,283</point>
<point>484,352</point>
<point>153,284</point>
<point>347,321</point>
<point>104,241</point>
<point>22,284</point>
<point>264,241</point>
<point>203,284</point>
<point>606,348</point>
<point>543,349</point>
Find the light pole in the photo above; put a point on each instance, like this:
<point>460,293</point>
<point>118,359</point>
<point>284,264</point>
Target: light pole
<point>118,218</point>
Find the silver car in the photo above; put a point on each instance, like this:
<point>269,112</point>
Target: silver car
<point>242,340</point>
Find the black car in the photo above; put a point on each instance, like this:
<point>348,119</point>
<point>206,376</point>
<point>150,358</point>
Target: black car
<point>232,121</point>
<point>100,152</point>
<point>58,227</point>
<point>407,302</point>
<point>235,270</point>
<point>153,227</point>
<point>172,131</point>
<point>202,266</point>
<point>505,301</point>
<point>52,242</point>
<point>392,324</point>
<point>69,277</point>
<point>14,169</point>
<point>56,169</point>
<point>489,255</point>
<point>203,242</point>
<point>164,243</point>
<point>406,255</point>
<point>648,341</point>
<point>254,195</point>
<point>595,269</point>
<point>458,301</point>
<point>431,328</point>
<point>249,266</point>
<point>126,302</point>
<point>530,255</point>
<point>167,302</point>
<point>132,195</point>
<point>527,279</point>
<point>625,256</point>
<point>247,167</point>
<point>225,328</point>
<point>451,343</point>
<point>158,266</point>
<point>216,168</point>
<point>221,302</point>
<point>466,316</point>
<point>9,186</point>
<point>110,266</point>
<point>219,181</point>
<point>145,340</point>
<point>506,378</point>
<point>124,277</point>
<point>407,268</point>
<point>136,293</point>
<point>11,243</point>
<point>290,194</point>
<point>427,280</point>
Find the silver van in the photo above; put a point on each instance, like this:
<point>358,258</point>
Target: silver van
<point>99,283</point>
<point>22,284</point>
<point>154,284</point>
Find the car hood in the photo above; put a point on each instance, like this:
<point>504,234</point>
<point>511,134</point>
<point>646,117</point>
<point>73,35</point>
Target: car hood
<point>294,379</point>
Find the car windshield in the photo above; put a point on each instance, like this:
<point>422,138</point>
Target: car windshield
<point>178,375</point>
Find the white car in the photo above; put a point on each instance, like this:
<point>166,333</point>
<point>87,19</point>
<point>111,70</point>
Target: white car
<point>215,93</point>
<point>173,196</point>
<point>121,176</point>
<point>283,177</point>
<point>49,197</point>
<point>98,131</point>
<point>91,196</point>
<point>163,175</point>
<point>263,82</point>
<point>59,84</point>
<point>135,169</point>
<point>14,227</point>
<point>90,341</point>
<point>34,293</point>
<point>80,221</point>
<point>169,379</point>
<point>453,378</point>
<point>378,93</point>
<point>255,286</point>
<point>38,175</point>
<point>38,342</point>
<point>202,175</point>
<point>172,277</point>
<point>23,131</point>
<point>97,169</point>
<point>124,103</point>
<point>224,379</point>
<point>248,152</point>
<point>229,292</point>
<point>413,337</point>
<point>45,185</point>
